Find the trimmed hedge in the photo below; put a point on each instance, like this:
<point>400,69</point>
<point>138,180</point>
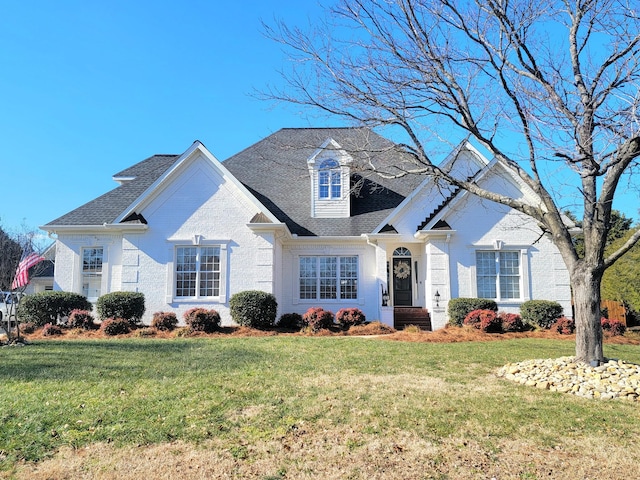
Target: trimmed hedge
<point>459,308</point>
<point>542,313</point>
<point>253,308</point>
<point>46,307</point>
<point>126,305</point>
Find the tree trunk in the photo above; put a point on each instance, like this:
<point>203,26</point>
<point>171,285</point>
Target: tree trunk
<point>586,300</point>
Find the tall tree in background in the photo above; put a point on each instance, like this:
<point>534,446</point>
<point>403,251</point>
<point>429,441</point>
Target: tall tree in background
<point>10,251</point>
<point>549,87</point>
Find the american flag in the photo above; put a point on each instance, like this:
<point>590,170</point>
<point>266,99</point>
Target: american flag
<point>22,272</point>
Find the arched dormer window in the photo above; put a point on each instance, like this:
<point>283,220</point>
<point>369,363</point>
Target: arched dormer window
<point>329,180</point>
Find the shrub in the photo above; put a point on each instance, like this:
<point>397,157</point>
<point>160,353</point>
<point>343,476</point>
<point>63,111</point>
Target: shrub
<point>542,313</point>
<point>348,317</point>
<point>51,329</point>
<point>292,321</point>
<point>125,305</point>
<point>253,308</point>
<point>145,332</point>
<point>613,327</point>
<point>46,307</point>
<point>484,320</point>
<point>564,326</point>
<point>316,318</point>
<point>183,332</point>
<point>511,322</point>
<point>459,308</point>
<point>115,326</point>
<point>28,327</point>
<point>164,321</point>
<point>202,320</point>
<point>81,319</point>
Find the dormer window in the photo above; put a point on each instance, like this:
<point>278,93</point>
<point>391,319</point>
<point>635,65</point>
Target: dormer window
<point>329,180</point>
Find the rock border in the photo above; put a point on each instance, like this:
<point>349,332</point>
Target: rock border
<point>612,379</point>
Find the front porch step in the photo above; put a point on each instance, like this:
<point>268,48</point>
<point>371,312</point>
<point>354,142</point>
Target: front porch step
<point>405,316</point>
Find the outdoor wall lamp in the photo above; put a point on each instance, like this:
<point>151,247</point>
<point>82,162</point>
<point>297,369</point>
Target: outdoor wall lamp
<point>436,297</point>
<point>385,296</point>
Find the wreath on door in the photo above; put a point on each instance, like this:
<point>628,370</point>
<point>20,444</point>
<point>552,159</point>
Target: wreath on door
<point>402,270</point>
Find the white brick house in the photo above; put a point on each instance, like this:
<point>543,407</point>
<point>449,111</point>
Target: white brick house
<point>297,215</point>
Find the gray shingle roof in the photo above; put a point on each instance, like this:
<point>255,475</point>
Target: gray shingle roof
<point>106,208</point>
<point>275,171</point>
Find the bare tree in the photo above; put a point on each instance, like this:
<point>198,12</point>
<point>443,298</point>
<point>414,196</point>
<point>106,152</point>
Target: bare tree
<point>550,88</point>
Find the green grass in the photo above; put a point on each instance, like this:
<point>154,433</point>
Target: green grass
<point>145,391</point>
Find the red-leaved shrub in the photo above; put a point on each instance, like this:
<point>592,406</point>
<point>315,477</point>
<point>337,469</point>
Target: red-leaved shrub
<point>348,317</point>
<point>202,320</point>
<point>164,321</point>
<point>511,322</point>
<point>51,330</point>
<point>316,318</point>
<point>484,320</point>
<point>613,327</point>
<point>564,326</point>
<point>291,321</point>
<point>81,319</point>
<point>115,326</point>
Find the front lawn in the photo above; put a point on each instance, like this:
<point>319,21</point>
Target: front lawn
<point>301,407</point>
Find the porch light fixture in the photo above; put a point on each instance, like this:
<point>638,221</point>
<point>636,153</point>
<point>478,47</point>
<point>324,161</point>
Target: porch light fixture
<point>385,297</point>
<point>436,297</point>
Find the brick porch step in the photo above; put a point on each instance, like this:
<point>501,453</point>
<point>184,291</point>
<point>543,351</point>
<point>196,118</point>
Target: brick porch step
<point>405,316</point>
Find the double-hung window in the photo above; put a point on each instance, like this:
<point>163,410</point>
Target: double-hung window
<point>197,271</point>
<point>92,272</point>
<point>329,180</point>
<point>498,274</point>
<point>328,278</point>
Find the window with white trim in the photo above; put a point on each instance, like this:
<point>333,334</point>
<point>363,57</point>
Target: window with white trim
<point>328,278</point>
<point>197,271</point>
<point>92,258</point>
<point>329,180</point>
<point>498,274</point>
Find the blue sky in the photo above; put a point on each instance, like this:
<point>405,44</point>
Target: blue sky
<point>89,88</point>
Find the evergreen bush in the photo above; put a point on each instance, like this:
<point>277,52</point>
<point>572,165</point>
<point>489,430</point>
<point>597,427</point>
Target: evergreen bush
<point>126,305</point>
<point>47,307</point>
<point>542,313</point>
<point>253,308</point>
